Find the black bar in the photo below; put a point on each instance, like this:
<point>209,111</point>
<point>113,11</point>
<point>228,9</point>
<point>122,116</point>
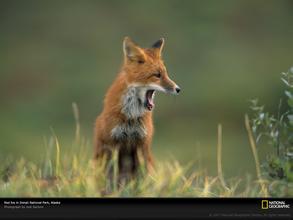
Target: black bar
<point>145,208</point>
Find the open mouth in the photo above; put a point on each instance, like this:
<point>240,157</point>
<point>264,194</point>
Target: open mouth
<point>149,99</point>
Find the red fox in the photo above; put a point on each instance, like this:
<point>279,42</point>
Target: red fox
<point>125,123</point>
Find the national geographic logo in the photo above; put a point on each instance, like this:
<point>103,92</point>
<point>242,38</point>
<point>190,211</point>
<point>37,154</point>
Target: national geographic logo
<point>275,204</point>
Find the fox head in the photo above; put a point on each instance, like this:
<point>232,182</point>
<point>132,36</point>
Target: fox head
<point>145,71</point>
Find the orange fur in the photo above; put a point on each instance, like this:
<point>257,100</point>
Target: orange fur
<point>128,132</point>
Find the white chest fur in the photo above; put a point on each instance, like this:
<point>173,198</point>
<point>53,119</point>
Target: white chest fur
<point>133,102</point>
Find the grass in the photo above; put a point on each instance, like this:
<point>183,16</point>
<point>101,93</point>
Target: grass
<point>75,174</point>
<point>81,178</point>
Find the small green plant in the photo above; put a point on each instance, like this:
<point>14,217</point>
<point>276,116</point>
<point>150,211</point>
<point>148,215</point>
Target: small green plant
<point>277,131</point>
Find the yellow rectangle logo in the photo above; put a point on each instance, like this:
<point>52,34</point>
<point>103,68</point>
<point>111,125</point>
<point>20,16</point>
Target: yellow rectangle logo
<point>264,204</point>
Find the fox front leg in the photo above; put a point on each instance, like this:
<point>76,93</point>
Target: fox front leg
<point>148,158</point>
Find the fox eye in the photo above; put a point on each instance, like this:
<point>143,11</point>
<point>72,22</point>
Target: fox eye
<point>140,61</point>
<point>158,75</point>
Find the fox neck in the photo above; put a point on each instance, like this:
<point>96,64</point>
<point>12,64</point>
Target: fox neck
<point>133,103</point>
<point>128,97</point>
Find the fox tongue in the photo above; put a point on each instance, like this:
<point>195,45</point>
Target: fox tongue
<point>149,99</point>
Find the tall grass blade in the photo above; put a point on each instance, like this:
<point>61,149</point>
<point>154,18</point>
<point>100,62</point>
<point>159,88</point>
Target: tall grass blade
<point>255,156</point>
<point>115,170</point>
<point>77,122</point>
<point>57,158</point>
<point>219,157</point>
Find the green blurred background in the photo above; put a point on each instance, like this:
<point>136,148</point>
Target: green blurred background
<point>221,53</point>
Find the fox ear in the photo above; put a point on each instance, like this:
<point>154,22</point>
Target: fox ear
<point>132,51</point>
<point>158,46</point>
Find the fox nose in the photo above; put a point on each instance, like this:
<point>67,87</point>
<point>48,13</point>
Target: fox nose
<point>177,89</point>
